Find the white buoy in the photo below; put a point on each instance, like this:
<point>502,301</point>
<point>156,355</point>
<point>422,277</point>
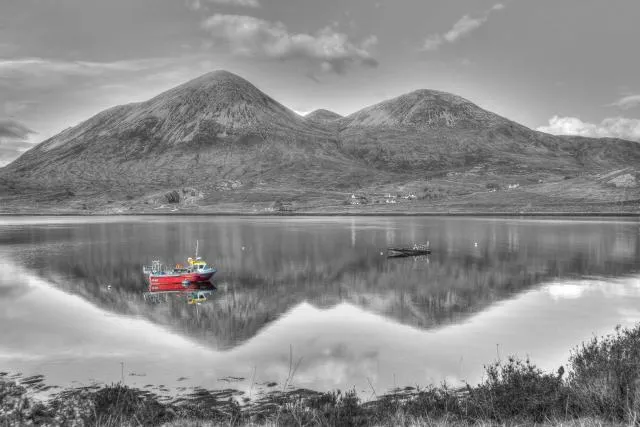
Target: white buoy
<point>475,244</point>
<point>243,248</point>
<point>381,253</point>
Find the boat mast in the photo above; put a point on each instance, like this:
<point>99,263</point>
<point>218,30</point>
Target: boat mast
<point>196,249</point>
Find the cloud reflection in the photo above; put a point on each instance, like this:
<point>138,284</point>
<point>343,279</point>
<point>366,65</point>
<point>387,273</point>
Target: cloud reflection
<point>348,315</point>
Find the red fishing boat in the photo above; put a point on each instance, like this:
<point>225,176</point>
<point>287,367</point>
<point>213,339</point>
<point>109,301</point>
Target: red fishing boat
<point>195,276</point>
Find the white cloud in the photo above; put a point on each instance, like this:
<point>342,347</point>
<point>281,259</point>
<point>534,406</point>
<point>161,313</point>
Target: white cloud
<point>464,26</point>
<point>12,140</point>
<point>11,129</point>
<point>627,102</point>
<point>40,66</point>
<point>200,4</point>
<point>11,150</point>
<point>613,127</point>
<point>433,42</point>
<point>328,48</point>
<point>460,29</point>
<point>242,3</point>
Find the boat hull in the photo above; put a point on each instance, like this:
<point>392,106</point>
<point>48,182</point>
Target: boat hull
<point>406,252</point>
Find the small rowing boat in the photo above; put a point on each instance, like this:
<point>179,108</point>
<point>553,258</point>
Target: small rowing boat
<point>416,250</point>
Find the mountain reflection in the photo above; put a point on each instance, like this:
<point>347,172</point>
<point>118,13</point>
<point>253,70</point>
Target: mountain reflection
<point>268,266</point>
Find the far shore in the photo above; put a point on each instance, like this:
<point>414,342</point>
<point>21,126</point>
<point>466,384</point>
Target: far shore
<point>330,214</point>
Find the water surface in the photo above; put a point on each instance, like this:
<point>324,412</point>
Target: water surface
<point>316,293</point>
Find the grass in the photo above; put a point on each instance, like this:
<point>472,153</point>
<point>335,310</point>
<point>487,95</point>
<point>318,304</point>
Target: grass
<point>600,387</point>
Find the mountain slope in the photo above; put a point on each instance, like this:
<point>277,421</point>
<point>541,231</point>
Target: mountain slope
<point>215,128</point>
<point>428,130</point>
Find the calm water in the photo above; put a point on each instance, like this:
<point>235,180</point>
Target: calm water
<point>312,292</point>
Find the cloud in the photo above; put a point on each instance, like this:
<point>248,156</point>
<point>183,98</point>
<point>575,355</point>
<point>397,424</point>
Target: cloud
<point>11,150</point>
<point>613,127</point>
<point>433,42</point>
<point>45,66</point>
<point>55,94</point>
<point>199,4</point>
<point>627,102</point>
<point>12,130</point>
<point>328,48</point>
<point>12,140</point>
<point>25,81</point>
<point>460,29</point>
<point>242,3</point>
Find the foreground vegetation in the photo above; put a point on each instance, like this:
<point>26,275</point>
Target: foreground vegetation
<point>600,387</point>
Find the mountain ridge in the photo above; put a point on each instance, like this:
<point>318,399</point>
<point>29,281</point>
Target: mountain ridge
<point>424,108</point>
<point>240,147</point>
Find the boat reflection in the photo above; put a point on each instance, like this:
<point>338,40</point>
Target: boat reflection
<point>203,292</point>
<point>269,266</point>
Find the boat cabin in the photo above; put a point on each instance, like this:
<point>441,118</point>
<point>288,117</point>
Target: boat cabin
<point>197,264</point>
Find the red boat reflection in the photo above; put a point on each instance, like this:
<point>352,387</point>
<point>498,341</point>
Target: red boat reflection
<point>204,293</point>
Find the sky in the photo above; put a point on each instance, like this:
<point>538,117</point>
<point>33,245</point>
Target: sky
<point>560,66</point>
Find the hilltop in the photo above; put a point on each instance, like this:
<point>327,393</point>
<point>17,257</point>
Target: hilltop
<point>323,115</point>
<point>218,143</point>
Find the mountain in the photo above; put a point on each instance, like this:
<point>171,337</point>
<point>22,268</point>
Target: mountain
<point>427,131</point>
<point>322,116</point>
<point>219,143</point>
<point>425,109</point>
<point>215,132</point>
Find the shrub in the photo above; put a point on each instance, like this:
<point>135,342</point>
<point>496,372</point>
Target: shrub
<point>113,405</point>
<point>172,197</point>
<point>340,409</point>
<point>519,390</point>
<point>433,402</point>
<point>605,375</point>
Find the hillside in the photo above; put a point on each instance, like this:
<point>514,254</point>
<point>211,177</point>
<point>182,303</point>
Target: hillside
<point>218,143</point>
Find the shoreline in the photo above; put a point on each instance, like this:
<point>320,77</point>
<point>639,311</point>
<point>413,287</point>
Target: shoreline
<point>599,387</point>
<point>335,214</point>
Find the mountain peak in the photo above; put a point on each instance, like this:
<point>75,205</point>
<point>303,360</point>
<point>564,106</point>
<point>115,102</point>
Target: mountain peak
<point>434,96</point>
<point>219,83</point>
<point>322,115</point>
<point>218,77</point>
<point>218,100</point>
<point>425,108</point>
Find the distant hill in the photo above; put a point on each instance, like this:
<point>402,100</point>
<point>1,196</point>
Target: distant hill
<point>425,109</point>
<point>322,115</point>
<point>219,143</point>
